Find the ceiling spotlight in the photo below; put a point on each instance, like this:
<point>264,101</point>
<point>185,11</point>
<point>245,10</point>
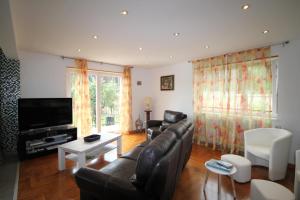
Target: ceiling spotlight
<point>141,49</point>
<point>206,46</point>
<point>95,37</point>
<point>245,7</point>
<point>124,12</point>
<point>176,34</point>
<point>78,50</point>
<point>265,31</point>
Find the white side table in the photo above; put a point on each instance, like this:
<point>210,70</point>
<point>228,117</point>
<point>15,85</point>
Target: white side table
<point>220,172</point>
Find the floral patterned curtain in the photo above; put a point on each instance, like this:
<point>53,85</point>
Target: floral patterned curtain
<point>81,100</point>
<point>126,104</point>
<point>232,93</point>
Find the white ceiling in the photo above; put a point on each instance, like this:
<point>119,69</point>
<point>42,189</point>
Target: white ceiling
<point>60,27</point>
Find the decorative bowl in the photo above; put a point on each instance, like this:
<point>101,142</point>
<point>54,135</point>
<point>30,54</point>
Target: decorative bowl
<point>92,138</point>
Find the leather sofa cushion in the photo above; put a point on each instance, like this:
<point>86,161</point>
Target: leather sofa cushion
<point>172,116</point>
<point>180,128</point>
<point>151,154</point>
<point>121,168</point>
<point>133,154</point>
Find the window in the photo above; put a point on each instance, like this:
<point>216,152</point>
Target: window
<point>105,90</point>
<point>238,89</point>
<point>233,93</point>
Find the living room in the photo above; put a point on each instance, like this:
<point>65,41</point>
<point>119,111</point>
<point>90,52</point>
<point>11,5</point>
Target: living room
<point>42,42</point>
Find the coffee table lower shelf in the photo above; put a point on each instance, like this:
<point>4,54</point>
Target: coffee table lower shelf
<point>93,154</point>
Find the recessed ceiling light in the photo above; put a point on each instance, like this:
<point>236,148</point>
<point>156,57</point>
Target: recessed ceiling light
<point>265,31</point>
<point>124,12</point>
<point>176,34</point>
<point>206,46</point>
<point>141,49</point>
<point>78,50</point>
<point>245,6</point>
<point>95,37</point>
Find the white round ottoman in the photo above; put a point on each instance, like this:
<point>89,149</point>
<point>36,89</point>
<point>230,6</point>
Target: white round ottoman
<point>268,190</point>
<point>243,166</point>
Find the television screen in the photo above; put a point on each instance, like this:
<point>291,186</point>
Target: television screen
<point>44,112</point>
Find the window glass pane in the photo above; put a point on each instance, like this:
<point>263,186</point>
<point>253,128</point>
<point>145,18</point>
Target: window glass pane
<point>93,96</point>
<point>110,102</point>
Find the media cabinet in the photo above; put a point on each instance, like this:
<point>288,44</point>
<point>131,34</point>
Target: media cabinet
<point>39,142</point>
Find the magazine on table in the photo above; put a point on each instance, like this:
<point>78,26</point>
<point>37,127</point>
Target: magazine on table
<point>224,166</point>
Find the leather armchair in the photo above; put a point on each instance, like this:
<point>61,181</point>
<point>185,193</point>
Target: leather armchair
<point>155,127</point>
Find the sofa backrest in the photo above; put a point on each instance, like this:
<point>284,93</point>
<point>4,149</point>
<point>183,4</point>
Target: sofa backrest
<point>160,164</point>
<point>187,143</point>
<point>180,127</point>
<point>184,130</point>
<point>157,166</point>
<point>162,182</point>
<point>151,155</point>
<point>172,116</point>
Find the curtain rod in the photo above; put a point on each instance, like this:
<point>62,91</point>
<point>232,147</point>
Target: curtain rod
<point>94,61</point>
<point>271,57</point>
<point>97,70</point>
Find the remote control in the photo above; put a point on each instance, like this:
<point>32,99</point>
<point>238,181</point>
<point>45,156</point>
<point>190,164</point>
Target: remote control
<point>225,164</point>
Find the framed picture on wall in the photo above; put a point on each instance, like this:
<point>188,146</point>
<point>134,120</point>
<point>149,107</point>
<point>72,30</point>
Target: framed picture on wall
<point>167,82</point>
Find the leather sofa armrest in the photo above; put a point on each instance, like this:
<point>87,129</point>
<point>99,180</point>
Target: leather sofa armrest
<point>153,123</point>
<point>97,184</point>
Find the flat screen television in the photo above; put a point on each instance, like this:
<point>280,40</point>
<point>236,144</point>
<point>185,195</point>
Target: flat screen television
<point>44,112</point>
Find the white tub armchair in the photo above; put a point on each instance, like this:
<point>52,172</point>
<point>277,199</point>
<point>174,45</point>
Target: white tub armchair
<point>269,147</point>
<point>297,176</point>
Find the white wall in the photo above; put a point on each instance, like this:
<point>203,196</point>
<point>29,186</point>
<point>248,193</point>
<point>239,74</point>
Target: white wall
<point>289,91</point>
<point>7,35</point>
<point>44,75</point>
<point>179,99</point>
<point>139,92</point>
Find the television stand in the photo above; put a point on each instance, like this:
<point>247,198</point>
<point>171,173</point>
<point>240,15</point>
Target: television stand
<point>38,142</point>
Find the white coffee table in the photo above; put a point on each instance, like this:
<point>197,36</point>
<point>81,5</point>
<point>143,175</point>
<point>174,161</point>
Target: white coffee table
<point>220,172</point>
<point>79,149</point>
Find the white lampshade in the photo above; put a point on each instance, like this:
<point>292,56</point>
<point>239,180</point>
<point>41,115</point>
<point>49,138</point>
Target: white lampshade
<point>148,103</point>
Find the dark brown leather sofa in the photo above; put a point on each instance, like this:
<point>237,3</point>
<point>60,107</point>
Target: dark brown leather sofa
<point>155,127</point>
<point>149,171</point>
